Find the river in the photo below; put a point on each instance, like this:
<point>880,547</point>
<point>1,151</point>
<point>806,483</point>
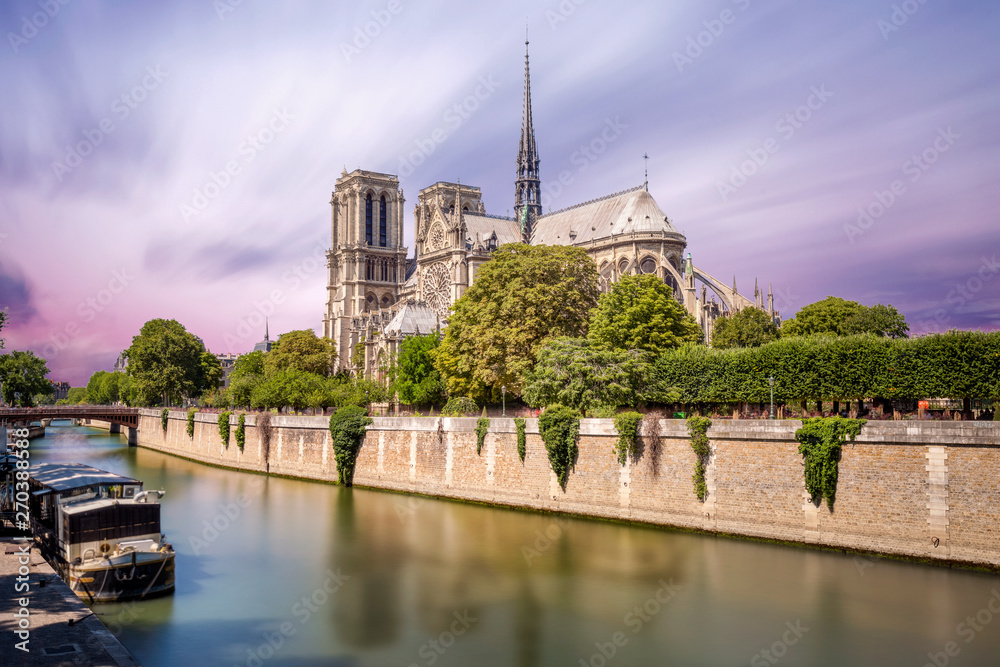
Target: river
<point>276,571</point>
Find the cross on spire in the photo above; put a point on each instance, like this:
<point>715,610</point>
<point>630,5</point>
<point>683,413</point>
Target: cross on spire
<point>645,158</point>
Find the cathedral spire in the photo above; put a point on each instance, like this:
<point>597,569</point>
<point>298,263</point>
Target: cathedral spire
<point>527,186</point>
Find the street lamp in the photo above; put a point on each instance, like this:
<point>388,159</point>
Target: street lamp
<point>503,397</point>
<point>368,407</point>
<point>771,382</point>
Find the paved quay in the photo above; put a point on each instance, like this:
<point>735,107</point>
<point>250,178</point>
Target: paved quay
<point>51,640</point>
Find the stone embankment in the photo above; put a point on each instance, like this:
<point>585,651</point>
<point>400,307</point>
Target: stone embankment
<point>924,490</point>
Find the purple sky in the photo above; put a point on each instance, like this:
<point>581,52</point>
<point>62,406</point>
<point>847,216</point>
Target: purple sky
<point>162,96</point>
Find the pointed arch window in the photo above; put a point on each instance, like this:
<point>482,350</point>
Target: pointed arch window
<point>383,227</point>
<point>368,218</point>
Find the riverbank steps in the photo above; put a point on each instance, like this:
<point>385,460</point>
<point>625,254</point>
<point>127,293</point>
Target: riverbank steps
<point>42,635</point>
<point>927,491</point>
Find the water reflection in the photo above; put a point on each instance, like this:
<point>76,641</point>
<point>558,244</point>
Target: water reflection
<point>428,581</point>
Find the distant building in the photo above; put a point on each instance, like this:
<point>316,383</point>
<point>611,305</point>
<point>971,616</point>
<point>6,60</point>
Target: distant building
<point>264,345</point>
<point>60,390</point>
<point>228,361</point>
<point>121,363</point>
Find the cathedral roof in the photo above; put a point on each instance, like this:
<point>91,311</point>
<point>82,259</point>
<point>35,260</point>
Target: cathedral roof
<point>631,211</point>
<point>483,226</point>
<point>411,319</point>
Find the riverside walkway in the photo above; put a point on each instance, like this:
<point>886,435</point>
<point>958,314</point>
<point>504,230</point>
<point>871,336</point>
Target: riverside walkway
<point>61,630</point>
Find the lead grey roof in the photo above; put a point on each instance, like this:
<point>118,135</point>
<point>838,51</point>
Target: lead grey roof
<point>413,318</point>
<point>68,476</point>
<point>481,227</point>
<point>630,211</point>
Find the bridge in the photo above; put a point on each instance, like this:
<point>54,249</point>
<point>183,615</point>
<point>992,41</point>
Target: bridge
<point>117,416</point>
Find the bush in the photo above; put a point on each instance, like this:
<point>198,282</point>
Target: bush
<point>224,428</point>
<point>347,430</point>
<point>627,425</point>
<point>459,407</point>
<point>522,438</point>
<point>482,426</point>
<point>698,428</point>
<point>164,419</point>
<point>559,427</point>
<point>190,423</point>
<point>820,440</point>
<point>241,433</point>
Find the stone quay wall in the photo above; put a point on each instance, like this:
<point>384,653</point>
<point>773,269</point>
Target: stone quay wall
<point>925,490</point>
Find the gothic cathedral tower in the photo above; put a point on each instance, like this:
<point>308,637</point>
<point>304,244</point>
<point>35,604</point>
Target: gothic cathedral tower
<point>527,187</point>
<point>367,260</point>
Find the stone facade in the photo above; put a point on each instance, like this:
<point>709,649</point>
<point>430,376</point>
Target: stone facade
<point>626,233</point>
<point>928,491</point>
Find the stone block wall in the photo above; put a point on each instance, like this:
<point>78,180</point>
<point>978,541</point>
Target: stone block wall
<point>924,490</point>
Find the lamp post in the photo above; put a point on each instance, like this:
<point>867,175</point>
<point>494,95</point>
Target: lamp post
<point>368,407</point>
<point>503,397</point>
<point>771,382</point>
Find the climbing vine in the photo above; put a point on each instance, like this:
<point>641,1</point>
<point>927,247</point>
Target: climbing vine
<point>241,431</point>
<point>559,427</point>
<point>698,428</point>
<point>190,423</point>
<point>347,430</point>
<point>820,440</point>
<point>482,426</point>
<point>522,438</point>
<point>224,428</point>
<point>627,425</point>
<point>164,419</point>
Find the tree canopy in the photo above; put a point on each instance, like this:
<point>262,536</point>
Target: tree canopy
<point>641,313</point>
<point>106,388</point>
<point>23,376</point>
<point>168,363</point>
<point>750,327</point>
<point>839,317</point>
<point>302,350</point>
<point>416,380</point>
<point>522,297</point>
<point>572,372</point>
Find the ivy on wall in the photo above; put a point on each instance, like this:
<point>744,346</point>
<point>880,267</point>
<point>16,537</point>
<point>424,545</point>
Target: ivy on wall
<point>559,427</point>
<point>347,430</point>
<point>224,427</point>
<point>190,423</point>
<point>164,419</point>
<point>241,431</point>
<point>482,426</point>
<point>698,428</point>
<point>522,438</point>
<point>627,425</point>
<point>820,440</point>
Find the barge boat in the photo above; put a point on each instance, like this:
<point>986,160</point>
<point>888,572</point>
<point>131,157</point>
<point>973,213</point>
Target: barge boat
<point>101,532</point>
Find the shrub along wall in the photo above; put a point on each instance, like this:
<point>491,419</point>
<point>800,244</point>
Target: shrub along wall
<point>959,364</point>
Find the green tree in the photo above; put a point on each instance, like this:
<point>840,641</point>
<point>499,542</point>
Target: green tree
<point>167,363</point>
<point>572,372</point>
<point>247,374</point>
<point>878,320</point>
<point>522,297</point>
<point>302,350</point>
<point>640,313</point>
<point>74,396</point>
<point>750,327</point>
<point>23,377</point>
<point>106,388</point>
<point>416,379</point>
<point>839,317</point>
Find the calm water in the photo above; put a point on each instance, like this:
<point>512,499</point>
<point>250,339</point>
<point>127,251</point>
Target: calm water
<point>298,573</point>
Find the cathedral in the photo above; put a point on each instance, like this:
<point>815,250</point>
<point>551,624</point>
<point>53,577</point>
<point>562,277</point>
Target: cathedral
<point>378,296</point>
